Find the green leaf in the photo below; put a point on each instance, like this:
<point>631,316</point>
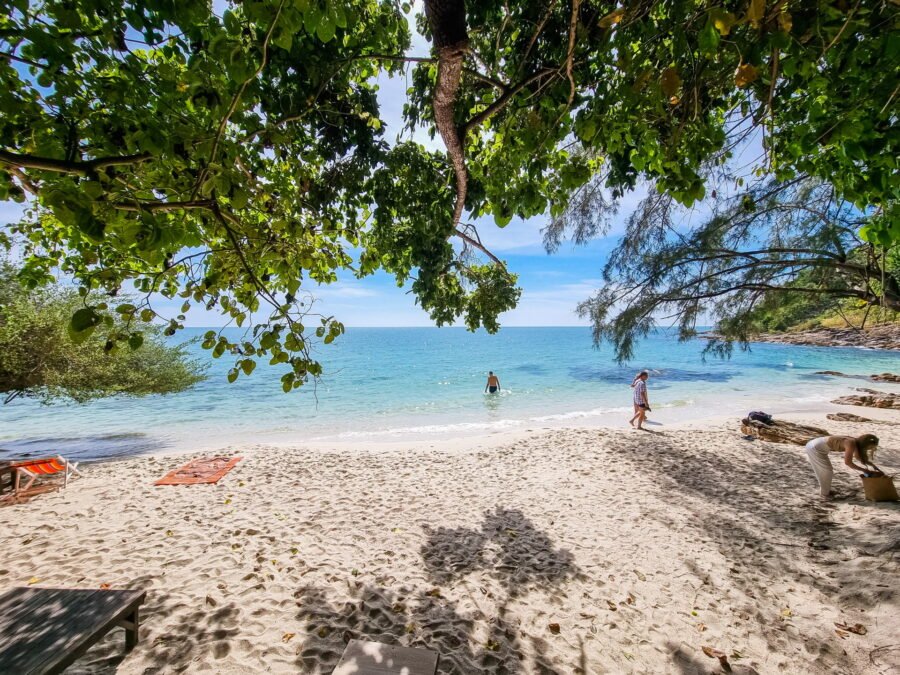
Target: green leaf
<point>709,38</point>
<point>247,365</point>
<point>136,340</point>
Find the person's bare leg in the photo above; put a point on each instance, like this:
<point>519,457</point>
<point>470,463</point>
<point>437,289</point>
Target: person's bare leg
<point>642,415</point>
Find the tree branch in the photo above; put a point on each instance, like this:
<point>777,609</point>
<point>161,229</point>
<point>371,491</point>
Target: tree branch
<point>81,168</point>
<point>476,243</point>
<point>243,87</point>
<point>573,26</point>
<point>507,96</point>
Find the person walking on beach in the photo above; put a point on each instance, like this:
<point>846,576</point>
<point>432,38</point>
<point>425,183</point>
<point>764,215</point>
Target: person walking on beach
<point>641,402</point>
<point>493,383</point>
<point>861,448</point>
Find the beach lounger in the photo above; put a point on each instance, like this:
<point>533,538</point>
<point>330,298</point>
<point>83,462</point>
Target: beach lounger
<point>44,630</point>
<point>375,658</point>
<point>17,478</point>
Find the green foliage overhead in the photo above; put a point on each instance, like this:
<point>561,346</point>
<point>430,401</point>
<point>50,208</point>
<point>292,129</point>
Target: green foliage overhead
<point>238,161</point>
<point>39,360</point>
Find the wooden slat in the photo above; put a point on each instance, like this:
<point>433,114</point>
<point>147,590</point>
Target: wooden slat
<point>43,630</point>
<point>375,658</point>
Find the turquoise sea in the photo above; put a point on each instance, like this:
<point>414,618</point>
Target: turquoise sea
<point>384,384</point>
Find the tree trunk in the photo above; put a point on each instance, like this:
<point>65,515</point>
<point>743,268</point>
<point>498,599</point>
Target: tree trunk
<point>447,19</point>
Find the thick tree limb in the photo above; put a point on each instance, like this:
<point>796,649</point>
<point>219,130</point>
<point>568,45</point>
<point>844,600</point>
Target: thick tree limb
<point>81,168</point>
<point>447,19</point>
<point>573,27</point>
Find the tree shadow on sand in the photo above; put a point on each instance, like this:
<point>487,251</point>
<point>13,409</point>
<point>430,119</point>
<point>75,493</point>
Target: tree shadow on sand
<point>507,546</point>
<point>197,631</point>
<point>736,493</point>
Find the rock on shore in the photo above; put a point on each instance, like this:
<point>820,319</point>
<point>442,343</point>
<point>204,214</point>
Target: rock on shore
<point>871,398</point>
<point>886,336</point>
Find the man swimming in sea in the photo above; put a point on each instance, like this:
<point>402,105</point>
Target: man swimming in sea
<point>493,383</point>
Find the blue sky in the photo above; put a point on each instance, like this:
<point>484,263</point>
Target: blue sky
<point>552,285</point>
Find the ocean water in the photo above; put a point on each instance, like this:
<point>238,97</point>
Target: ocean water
<point>427,383</point>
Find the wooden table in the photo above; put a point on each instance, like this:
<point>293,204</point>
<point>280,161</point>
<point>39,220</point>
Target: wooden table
<point>44,630</point>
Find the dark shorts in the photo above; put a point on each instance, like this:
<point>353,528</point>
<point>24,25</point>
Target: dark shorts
<point>493,390</point>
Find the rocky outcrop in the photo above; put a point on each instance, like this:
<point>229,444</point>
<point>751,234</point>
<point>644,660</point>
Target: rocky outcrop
<point>885,377</point>
<point>886,336</point>
<point>781,432</point>
<point>871,399</point>
<point>850,417</point>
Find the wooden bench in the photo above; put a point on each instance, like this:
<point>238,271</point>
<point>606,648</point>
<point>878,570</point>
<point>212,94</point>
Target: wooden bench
<point>375,658</point>
<point>44,630</point>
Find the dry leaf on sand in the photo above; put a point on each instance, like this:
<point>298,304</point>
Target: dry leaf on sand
<point>714,653</point>
<point>554,628</point>
<point>287,637</point>
<point>857,628</point>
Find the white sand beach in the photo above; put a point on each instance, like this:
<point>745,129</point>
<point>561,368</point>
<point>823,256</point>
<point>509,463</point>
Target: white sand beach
<point>563,551</point>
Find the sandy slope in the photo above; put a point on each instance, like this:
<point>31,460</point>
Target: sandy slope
<point>642,547</point>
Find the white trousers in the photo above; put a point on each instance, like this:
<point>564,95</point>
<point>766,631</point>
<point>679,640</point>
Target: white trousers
<point>817,454</point>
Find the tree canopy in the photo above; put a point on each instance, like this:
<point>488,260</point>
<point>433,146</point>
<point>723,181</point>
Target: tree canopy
<point>38,358</point>
<point>238,161</point>
<point>793,246</point>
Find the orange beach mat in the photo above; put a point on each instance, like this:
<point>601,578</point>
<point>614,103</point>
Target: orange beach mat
<point>204,470</point>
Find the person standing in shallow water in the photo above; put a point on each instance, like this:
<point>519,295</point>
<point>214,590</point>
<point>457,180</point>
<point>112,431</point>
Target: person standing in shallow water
<point>641,402</point>
<point>493,383</point>
<point>861,448</point>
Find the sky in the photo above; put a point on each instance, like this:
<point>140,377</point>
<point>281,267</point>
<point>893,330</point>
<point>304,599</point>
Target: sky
<point>552,285</point>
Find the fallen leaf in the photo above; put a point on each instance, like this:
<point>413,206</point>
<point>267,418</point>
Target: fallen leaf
<point>33,580</point>
<point>287,637</point>
<point>630,599</point>
<point>235,547</point>
<point>714,653</point>
<point>323,632</point>
<point>554,628</point>
<point>856,628</point>
<point>211,601</point>
<point>227,501</point>
<point>295,550</point>
<point>104,587</point>
<point>492,645</point>
<point>640,575</point>
<point>786,612</point>
<point>169,533</point>
<point>396,530</point>
<point>434,593</point>
<point>611,605</point>
<point>841,634</point>
<point>354,572</point>
<point>701,627</point>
